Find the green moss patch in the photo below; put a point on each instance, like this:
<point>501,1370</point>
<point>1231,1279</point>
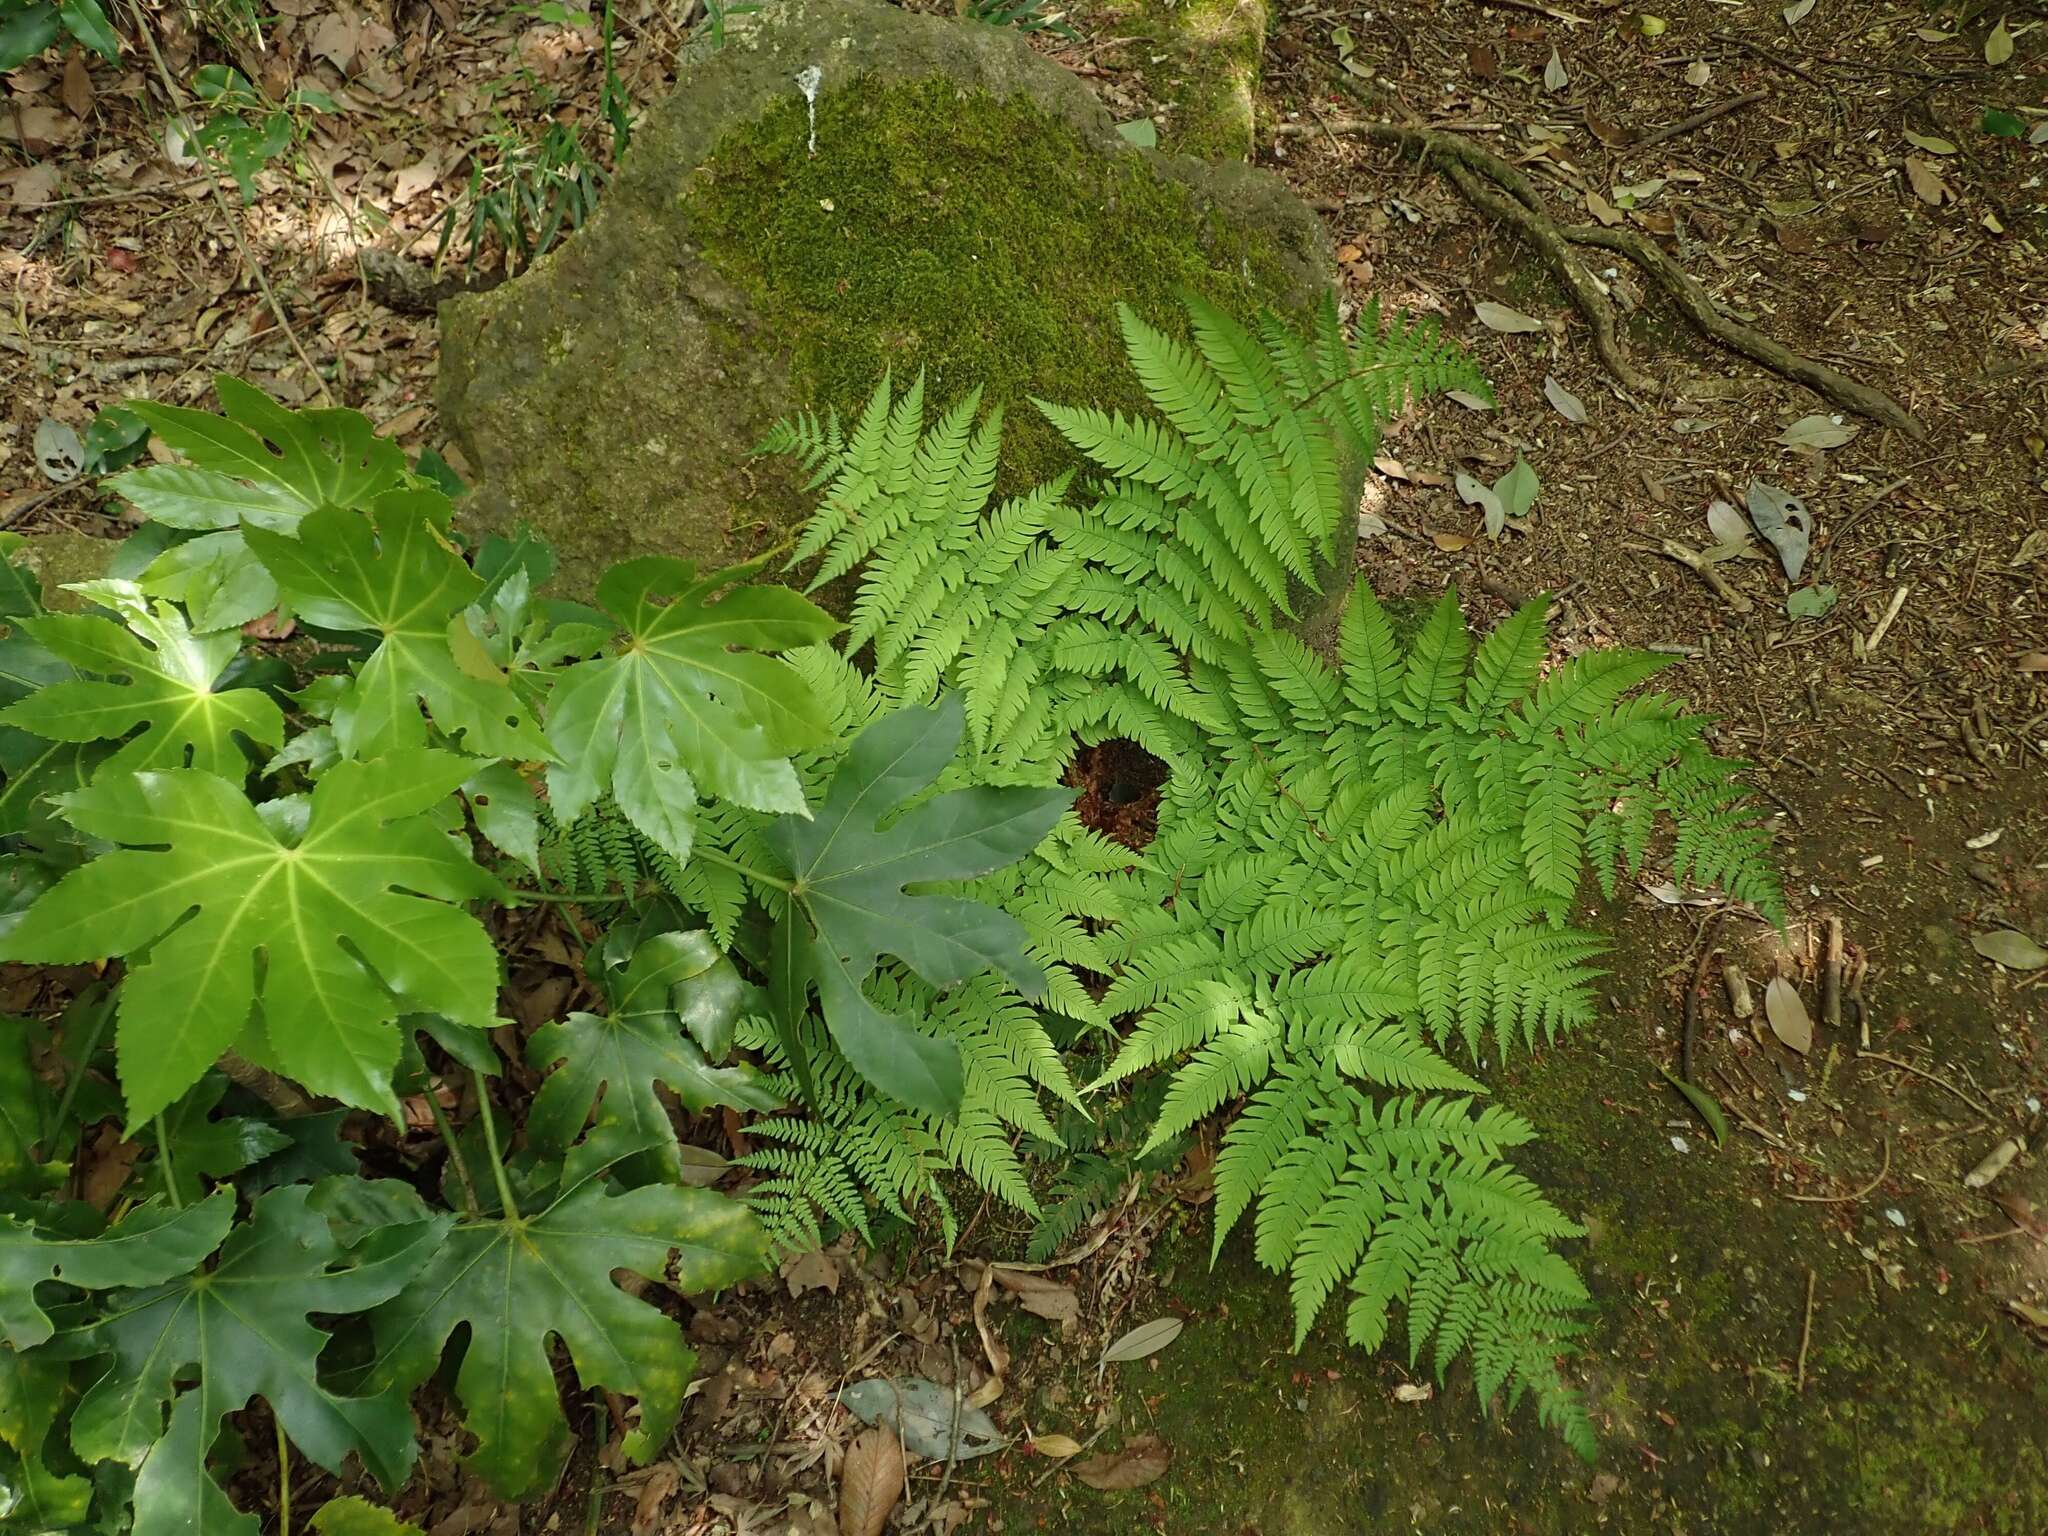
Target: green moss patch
<point>971,237</point>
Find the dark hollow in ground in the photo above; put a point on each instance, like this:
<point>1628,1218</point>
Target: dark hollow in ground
<point>1119,783</point>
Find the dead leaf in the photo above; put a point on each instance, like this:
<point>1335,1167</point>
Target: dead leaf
<point>1562,400</point>
<point>31,185</point>
<point>2032,547</point>
<point>1475,494</point>
<point>412,180</point>
<point>1932,145</point>
<point>77,85</point>
<point>1058,1447</point>
<point>1511,322</point>
<point>1818,431</point>
<point>1998,46</point>
<point>39,129</point>
<point>1467,399</point>
<point>1143,1340</point>
<point>1729,527</point>
<point>1926,181</point>
<point>2033,661</point>
<point>1482,61</point>
<point>1787,1015</point>
<point>870,1482</point>
<point>1796,12</point>
<point>1784,522</point>
<point>813,1271</point>
<point>1555,77</point>
<point>1414,1392</point>
<point>336,38</point>
<point>1039,1296</point>
<point>1698,72</point>
<point>2023,1310</point>
<point>1451,543</point>
<point>1602,209</point>
<point>2010,948</point>
<point>662,1480</point>
<point>1143,1460</point>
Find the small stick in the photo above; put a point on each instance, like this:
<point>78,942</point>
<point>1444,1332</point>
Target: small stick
<point>1701,118</point>
<point>1740,1003</point>
<point>1856,1002</point>
<point>1831,978</point>
<point>1851,1199</point>
<point>1884,625</point>
<point>1936,1078</point>
<point>1690,1027</point>
<point>1694,561</point>
<point>1806,1331</point>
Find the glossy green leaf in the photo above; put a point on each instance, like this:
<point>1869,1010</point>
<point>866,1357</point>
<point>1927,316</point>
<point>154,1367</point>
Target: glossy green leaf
<point>148,1245</point>
<point>396,574</point>
<point>242,1328</point>
<point>359,1517</point>
<point>507,812</point>
<point>33,1391</point>
<point>255,463</point>
<point>342,914</point>
<point>674,999</point>
<point>167,707</point>
<point>848,905</point>
<point>26,31</point>
<point>517,1283</point>
<point>86,21</point>
<point>203,1147</point>
<point>686,705</point>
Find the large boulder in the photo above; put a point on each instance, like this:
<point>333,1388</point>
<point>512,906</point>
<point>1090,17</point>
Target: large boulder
<point>955,203</point>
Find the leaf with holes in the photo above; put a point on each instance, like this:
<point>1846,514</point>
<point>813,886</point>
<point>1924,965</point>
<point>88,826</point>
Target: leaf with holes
<point>687,704</point>
<point>847,904</point>
<point>168,707</point>
<point>338,903</point>
<point>258,464</point>
<point>396,574</point>
<point>517,1282</point>
<point>145,1247</point>
<point>246,1323</point>
<point>674,999</point>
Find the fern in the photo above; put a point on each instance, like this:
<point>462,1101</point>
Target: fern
<point>1061,620</point>
<point>1364,864</point>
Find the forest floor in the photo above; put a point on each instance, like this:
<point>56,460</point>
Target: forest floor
<point>1817,1326</point>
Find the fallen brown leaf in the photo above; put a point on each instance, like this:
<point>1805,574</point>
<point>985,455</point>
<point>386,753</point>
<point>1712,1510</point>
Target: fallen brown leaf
<point>1039,1296</point>
<point>1143,1460</point>
<point>813,1271</point>
<point>77,84</point>
<point>870,1482</point>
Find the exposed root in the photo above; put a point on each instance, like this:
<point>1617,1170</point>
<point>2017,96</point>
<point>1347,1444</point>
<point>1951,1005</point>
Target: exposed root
<point>1470,168</point>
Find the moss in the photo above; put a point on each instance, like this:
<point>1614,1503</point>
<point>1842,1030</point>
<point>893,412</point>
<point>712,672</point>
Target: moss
<point>1202,59</point>
<point>975,238</point>
<point>60,556</point>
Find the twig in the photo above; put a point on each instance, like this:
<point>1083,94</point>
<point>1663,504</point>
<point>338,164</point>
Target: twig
<point>1938,1080</point>
<point>227,217</point>
<point>1884,625</point>
<point>1702,567</point>
<point>134,194</point>
<point>273,1090</point>
<point>1448,150</point>
<point>953,1434</point>
<point>1693,988</point>
<point>1851,1199</point>
<point>1806,1332</point>
<point>1700,119</point>
<point>1831,978</point>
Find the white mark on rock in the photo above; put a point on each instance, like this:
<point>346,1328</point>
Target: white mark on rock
<point>808,79</point>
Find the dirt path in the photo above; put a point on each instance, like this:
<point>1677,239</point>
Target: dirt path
<point>1811,1328</point>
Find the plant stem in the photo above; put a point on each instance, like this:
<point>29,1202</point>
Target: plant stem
<point>564,898</point>
<point>713,856</point>
<point>455,1156</point>
<point>284,1479</point>
<point>163,1156</point>
<point>483,1104</point>
<point>103,1012</point>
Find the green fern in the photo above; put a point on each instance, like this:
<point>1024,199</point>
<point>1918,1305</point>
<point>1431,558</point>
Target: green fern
<point>1061,621</point>
<point>1359,861</point>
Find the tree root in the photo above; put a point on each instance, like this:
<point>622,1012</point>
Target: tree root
<point>1470,168</point>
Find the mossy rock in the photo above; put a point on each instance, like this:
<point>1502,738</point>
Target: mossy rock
<point>1201,60</point>
<point>970,211</point>
<point>60,556</point>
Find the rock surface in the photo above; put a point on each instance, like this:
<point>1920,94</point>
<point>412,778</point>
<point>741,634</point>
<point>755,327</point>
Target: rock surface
<point>969,210</point>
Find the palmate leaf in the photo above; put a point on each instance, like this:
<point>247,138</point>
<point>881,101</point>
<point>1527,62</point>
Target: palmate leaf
<point>257,464</point>
<point>396,573</point>
<point>339,920</point>
<point>686,705</point>
<point>516,1282</point>
<point>242,1329</point>
<point>847,905</point>
<point>148,1245</point>
<point>674,1001</point>
<point>168,692</point>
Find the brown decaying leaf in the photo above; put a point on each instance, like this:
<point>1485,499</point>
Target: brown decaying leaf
<point>1058,1447</point>
<point>1925,180</point>
<point>662,1480</point>
<point>870,1482</point>
<point>1039,1296</point>
<point>813,1271</point>
<point>1789,1021</point>
<point>1143,1460</point>
<point>77,84</point>
<point>2033,661</point>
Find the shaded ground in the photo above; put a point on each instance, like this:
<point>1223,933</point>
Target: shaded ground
<point>1914,1399</point>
